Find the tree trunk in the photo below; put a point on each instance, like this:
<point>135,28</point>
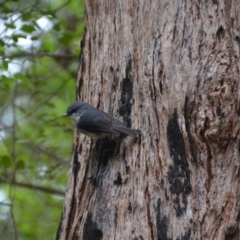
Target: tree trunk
<point>170,69</point>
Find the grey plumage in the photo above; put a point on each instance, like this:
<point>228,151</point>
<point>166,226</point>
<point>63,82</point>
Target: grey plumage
<point>95,123</point>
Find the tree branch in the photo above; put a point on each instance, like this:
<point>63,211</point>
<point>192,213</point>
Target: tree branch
<point>33,187</point>
<point>33,55</point>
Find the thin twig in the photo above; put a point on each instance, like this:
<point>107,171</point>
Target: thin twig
<point>34,187</point>
<point>39,54</point>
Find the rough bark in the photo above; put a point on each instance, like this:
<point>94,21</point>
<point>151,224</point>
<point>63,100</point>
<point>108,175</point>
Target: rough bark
<point>170,69</point>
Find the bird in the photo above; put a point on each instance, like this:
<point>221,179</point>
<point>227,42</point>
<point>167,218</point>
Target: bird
<point>96,123</point>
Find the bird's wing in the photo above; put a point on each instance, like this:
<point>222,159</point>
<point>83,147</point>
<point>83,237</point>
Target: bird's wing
<point>97,122</point>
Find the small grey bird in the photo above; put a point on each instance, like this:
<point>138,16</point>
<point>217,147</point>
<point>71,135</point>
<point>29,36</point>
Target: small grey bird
<point>95,123</point>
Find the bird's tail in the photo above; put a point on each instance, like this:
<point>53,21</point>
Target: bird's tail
<point>127,131</point>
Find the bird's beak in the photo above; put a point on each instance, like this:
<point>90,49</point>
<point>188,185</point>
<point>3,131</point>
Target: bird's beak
<point>65,115</point>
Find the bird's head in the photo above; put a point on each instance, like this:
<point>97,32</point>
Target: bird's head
<point>75,110</point>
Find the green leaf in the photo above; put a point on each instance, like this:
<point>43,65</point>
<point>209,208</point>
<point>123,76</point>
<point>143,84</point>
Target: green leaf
<point>5,161</point>
<point>20,76</point>
<point>28,28</point>
<point>34,38</point>
<point>5,65</point>
<point>6,10</point>
<point>5,78</point>
<point>2,43</point>
<point>4,86</point>
<point>26,17</point>
<point>10,25</point>
<point>63,23</point>
<point>65,38</point>
<point>56,27</point>
<point>15,37</point>
<point>51,105</point>
<point>20,164</point>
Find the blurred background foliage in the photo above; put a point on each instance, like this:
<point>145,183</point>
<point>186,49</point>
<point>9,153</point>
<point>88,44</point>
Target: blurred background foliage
<point>39,51</point>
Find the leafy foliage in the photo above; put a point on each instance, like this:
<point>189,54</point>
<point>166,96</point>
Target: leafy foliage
<point>39,50</point>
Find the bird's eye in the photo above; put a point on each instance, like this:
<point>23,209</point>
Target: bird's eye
<point>73,110</point>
